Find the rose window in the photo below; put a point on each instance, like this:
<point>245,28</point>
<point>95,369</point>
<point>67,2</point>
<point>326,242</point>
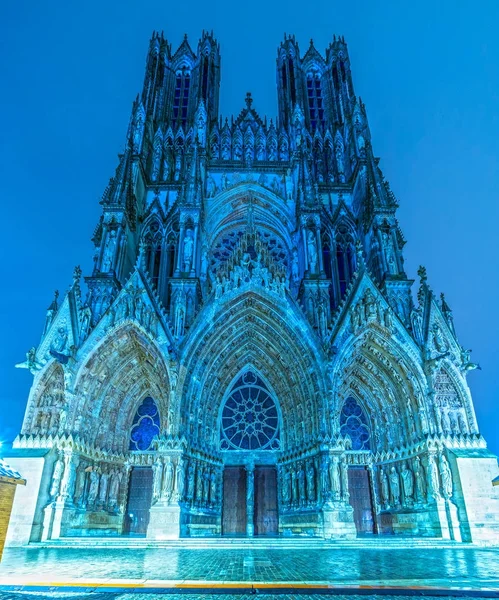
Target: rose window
<point>353,422</point>
<point>250,420</point>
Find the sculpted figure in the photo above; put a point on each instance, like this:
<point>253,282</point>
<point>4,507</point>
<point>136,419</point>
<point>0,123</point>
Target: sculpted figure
<point>446,475</point>
<point>157,480</point>
<point>94,486</point>
<point>56,477</point>
<point>213,487</point>
<point>286,485</point>
<point>104,480</point>
<point>109,252</point>
<point>80,485</point>
<point>407,482</point>
<point>334,478</point>
<point>188,249</point>
<point>311,481</point>
<point>433,477</point>
<point>180,478</point>
<point>344,480</point>
<point>190,481</point>
<point>395,486</point>
<point>168,479</point>
<point>114,487</point>
<point>301,483</point>
<point>312,251</point>
<point>420,481</point>
<point>385,490</point>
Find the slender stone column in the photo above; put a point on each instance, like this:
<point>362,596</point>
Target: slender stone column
<point>180,252</point>
<point>319,249</point>
<point>250,499</point>
<point>194,251</point>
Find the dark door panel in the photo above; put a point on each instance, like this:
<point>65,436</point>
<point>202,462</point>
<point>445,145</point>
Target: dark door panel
<point>361,500</point>
<point>139,501</point>
<point>234,501</point>
<point>265,519</point>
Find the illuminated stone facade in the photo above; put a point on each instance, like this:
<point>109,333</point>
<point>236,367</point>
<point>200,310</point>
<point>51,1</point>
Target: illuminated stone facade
<point>248,357</point>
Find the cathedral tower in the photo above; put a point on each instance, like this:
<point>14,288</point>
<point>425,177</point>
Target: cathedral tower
<point>247,352</point>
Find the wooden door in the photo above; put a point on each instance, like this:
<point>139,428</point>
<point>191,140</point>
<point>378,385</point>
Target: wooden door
<point>234,501</point>
<point>361,500</point>
<point>139,501</point>
<point>265,519</point>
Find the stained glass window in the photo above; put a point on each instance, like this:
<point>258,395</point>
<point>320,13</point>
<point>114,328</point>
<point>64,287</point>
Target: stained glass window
<point>145,425</point>
<point>354,423</point>
<point>250,420</point>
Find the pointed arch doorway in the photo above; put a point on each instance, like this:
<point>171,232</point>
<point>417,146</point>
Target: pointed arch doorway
<point>250,438</point>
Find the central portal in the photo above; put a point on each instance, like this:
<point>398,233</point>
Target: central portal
<point>237,495</point>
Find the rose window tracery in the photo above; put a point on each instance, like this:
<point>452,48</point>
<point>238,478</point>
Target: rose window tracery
<point>353,422</point>
<point>145,425</point>
<point>250,420</point>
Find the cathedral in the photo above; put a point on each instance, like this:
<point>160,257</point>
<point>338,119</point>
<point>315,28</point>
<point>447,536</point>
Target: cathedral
<point>248,356</point>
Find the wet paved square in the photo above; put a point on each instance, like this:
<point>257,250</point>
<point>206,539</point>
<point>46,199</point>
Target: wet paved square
<point>462,566</point>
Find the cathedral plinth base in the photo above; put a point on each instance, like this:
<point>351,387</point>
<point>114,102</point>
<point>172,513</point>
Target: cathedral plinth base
<point>338,521</point>
<point>164,523</point>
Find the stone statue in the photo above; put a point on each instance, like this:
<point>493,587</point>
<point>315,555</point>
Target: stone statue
<point>385,490</point>
<point>157,480</point>
<point>188,249</point>
<point>301,483</point>
<point>334,478</point>
<point>94,486</point>
<point>394,487</point>
<point>213,487</point>
<point>310,481</point>
<point>446,475</point>
<point>56,477</point>
<point>109,252</point>
<point>168,479</point>
<point>420,481</point>
<point>311,251</point>
<point>286,485</point>
<point>114,488</point>
<point>190,480</point>
<point>345,493</point>
<point>80,485</point>
<point>407,482</point>
<point>180,478</point>
<point>434,480</point>
<point>104,480</point>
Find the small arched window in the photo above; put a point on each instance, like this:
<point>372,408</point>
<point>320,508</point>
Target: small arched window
<point>345,258</point>
<point>145,426</point>
<point>353,422</point>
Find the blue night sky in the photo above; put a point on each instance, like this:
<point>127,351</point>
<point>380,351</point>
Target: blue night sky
<point>427,72</point>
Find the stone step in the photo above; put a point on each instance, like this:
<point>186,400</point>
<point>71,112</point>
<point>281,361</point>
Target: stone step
<point>291,542</point>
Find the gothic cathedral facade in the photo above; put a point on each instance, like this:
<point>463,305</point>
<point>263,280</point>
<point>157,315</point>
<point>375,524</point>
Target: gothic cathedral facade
<point>248,358</point>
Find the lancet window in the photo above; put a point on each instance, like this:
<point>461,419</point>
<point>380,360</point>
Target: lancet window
<point>153,241</point>
<point>250,419</point>
<point>353,423</point>
<point>181,96</point>
<point>145,425</point>
<point>345,258</point>
<point>315,100</point>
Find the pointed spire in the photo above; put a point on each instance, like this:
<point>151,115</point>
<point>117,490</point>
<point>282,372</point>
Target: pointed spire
<point>54,305</point>
<point>248,100</point>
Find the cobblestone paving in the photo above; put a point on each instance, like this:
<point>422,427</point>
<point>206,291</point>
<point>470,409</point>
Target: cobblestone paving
<point>134,596</point>
<point>442,566</point>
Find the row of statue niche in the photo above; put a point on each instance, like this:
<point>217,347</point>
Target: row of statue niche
<point>282,186</point>
<point>411,485</point>
<point>249,270</point>
<point>197,484</point>
<point>131,306</point>
<point>166,163</point>
<point>450,422</point>
<point>261,150</point>
<point>49,421</point>
<point>97,488</point>
<point>367,309</point>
